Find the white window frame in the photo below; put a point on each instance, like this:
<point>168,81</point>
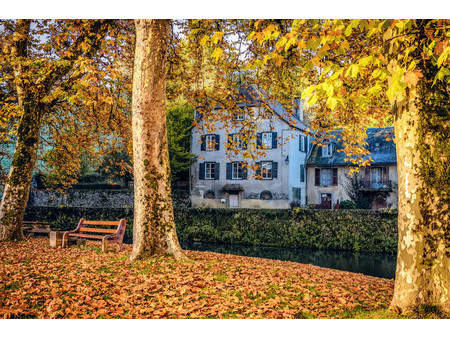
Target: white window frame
<point>326,177</point>
<point>211,171</point>
<point>327,150</point>
<point>210,142</point>
<point>236,170</point>
<point>267,170</point>
<point>238,141</point>
<point>266,140</point>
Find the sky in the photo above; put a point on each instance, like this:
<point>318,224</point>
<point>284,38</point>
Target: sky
<point>179,9</point>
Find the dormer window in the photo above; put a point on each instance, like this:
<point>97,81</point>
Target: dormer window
<point>327,150</point>
<point>240,117</point>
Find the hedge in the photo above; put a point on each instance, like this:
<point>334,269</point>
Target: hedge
<point>354,230</point>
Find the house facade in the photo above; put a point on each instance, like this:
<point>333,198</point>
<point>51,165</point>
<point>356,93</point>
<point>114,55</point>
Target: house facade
<point>374,187</point>
<point>219,180</point>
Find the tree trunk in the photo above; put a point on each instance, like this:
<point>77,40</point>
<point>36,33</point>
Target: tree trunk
<point>423,260</point>
<point>17,188</point>
<point>154,227</point>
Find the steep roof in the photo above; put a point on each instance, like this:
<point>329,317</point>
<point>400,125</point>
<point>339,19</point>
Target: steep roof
<point>382,152</point>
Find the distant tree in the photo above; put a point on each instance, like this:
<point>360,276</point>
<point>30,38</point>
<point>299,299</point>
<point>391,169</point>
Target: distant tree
<point>179,125</point>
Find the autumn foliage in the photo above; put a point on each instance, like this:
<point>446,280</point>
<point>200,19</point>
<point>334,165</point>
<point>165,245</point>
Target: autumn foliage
<point>38,281</point>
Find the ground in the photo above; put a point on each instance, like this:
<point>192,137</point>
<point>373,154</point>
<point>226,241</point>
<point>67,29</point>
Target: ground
<point>38,281</point>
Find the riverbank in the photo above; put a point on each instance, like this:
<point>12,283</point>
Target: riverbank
<point>43,282</point>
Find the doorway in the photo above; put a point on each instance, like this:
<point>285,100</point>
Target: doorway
<point>233,200</point>
<point>325,201</point>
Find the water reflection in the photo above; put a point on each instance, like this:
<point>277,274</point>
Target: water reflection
<point>373,264</point>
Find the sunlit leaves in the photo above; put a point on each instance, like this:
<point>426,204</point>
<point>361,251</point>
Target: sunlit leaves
<point>79,73</point>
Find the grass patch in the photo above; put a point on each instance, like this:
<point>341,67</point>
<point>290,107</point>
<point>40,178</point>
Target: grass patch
<point>220,277</point>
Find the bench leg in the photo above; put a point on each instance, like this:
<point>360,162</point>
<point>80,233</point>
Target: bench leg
<point>64,240</point>
<point>104,245</point>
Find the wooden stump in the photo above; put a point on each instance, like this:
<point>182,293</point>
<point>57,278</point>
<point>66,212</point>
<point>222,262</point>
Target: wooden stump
<point>57,236</point>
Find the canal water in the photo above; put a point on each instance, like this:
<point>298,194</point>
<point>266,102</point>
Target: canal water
<point>372,264</point>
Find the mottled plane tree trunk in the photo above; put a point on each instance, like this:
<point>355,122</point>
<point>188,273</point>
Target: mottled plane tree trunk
<point>154,227</point>
<point>16,191</point>
<point>422,136</point>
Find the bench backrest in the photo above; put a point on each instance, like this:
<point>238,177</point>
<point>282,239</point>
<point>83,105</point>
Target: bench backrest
<point>120,230</point>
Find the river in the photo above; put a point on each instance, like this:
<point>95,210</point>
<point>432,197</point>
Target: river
<point>372,264</point>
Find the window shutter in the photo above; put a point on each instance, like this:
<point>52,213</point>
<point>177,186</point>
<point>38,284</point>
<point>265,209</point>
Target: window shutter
<point>259,140</point>
<point>300,143</point>
<point>229,169</point>
<point>305,140</point>
<point>385,175</point>
<point>201,174</point>
<point>258,170</point>
<point>274,169</point>
<point>317,176</point>
<point>217,142</point>
<point>244,142</point>
<point>203,146</point>
<point>230,139</point>
<point>302,173</point>
<point>244,170</point>
<point>367,182</point>
<point>274,140</point>
<point>216,171</point>
<point>335,176</point>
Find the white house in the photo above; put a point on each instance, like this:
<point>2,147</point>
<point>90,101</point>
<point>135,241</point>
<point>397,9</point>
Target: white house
<point>223,181</point>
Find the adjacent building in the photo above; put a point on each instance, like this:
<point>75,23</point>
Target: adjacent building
<point>329,182</point>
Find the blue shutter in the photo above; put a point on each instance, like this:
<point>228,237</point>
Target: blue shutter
<point>258,170</point>
<point>306,143</point>
<point>203,146</point>
<point>201,173</point>
<point>259,140</point>
<point>302,173</point>
<point>229,169</point>
<point>274,140</point>
<point>216,171</point>
<point>300,143</point>
<point>244,142</point>
<point>217,142</point>
<point>229,140</point>
<point>244,171</point>
<point>274,169</point>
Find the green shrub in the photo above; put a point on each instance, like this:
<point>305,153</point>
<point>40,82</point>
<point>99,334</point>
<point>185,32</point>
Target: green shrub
<point>354,230</point>
<point>347,205</point>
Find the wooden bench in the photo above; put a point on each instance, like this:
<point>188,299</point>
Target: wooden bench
<point>106,235</point>
<point>34,227</point>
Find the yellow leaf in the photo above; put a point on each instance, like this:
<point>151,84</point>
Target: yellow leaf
<point>218,52</point>
<point>217,37</point>
<point>204,40</point>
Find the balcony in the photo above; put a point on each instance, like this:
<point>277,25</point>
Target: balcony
<point>385,185</point>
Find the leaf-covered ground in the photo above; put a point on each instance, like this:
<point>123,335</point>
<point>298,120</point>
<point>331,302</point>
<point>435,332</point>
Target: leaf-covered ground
<point>38,281</point>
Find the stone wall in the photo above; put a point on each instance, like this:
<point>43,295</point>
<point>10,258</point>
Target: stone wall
<point>123,198</point>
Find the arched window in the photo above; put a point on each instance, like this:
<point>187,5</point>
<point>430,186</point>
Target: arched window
<point>266,195</point>
<point>210,195</point>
